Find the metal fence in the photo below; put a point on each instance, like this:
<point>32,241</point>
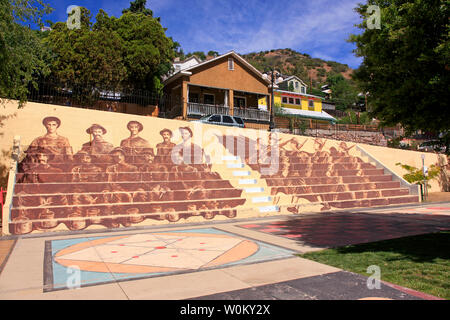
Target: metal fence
<point>134,101</point>
<point>200,109</point>
<point>252,114</point>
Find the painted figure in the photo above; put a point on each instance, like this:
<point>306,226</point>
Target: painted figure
<point>134,146</point>
<point>86,171</point>
<point>164,148</point>
<point>55,144</point>
<point>97,146</point>
<point>191,153</point>
<point>120,170</point>
<point>42,171</point>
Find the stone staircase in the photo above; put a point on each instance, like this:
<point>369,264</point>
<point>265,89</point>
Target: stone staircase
<point>44,200</point>
<point>54,192</point>
<point>328,181</point>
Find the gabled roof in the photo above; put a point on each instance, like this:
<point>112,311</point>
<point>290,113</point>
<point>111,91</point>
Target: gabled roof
<point>293,77</point>
<point>189,59</point>
<point>188,71</point>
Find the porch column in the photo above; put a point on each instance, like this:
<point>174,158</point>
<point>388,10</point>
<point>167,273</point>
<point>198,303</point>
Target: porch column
<point>184,97</point>
<point>225,98</point>
<point>231,97</point>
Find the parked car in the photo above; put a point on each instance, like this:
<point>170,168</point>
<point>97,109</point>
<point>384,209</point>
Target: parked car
<point>432,145</point>
<point>223,120</point>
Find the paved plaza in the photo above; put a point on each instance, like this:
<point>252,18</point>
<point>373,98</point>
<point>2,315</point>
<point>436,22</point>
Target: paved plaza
<point>243,259</point>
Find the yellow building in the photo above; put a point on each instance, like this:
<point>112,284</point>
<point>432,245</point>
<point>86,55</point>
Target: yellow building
<point>301,105</point>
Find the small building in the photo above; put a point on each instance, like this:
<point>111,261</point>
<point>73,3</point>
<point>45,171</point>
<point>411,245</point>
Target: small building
<point>226,84</point>
<point>292,83</point>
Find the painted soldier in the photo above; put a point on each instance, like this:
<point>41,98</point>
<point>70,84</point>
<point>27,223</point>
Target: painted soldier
<point>42,171</point>
<point>164,149</point>
<point>120,170</point>
<point>134,146</point>
<point>55,144</point>
<point>97,146</point>
<point>86,171</point>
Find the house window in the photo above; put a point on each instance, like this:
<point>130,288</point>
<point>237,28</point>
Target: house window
<point>230,64</point>
<point>311,104</point>
<point>193,97</point>
<point>208,98</point>
<point>291,100</point>
<point>239,102</point>
<point>297,101</point>
<point>284,100</point>
<point>296,85</point>
<point>303,90</point>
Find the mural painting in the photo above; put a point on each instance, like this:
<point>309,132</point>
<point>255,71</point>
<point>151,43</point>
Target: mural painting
<point>152,171</point>
<point>116,186</point>
<point>324,178</point>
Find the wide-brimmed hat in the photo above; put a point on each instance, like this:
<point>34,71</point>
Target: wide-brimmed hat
<point>166,130</point>
<point>40,150</point>
<point>118,149</point>
<point>186,128</point>
<point>47,119</point>
<point>82,153</point>
<point>95,126</point>
<point>141,127</point>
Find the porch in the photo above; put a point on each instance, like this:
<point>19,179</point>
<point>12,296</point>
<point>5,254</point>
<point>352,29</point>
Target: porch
<point>247,113</point>
<point>204,100</point>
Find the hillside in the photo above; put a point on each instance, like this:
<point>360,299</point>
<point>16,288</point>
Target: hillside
<point>290,62</point>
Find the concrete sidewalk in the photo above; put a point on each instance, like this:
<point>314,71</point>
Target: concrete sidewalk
<point>234,260</point>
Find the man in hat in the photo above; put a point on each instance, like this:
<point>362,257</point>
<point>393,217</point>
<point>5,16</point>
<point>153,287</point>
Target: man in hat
<point>134,146</point>
<point>55,144</point>
<point>85,171</point>
<point>97,145</point>
<point>164,148</point>
<point>41,171</point>
<point>120,170</point>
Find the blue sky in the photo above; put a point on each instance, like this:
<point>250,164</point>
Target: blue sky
<point>317,27</point>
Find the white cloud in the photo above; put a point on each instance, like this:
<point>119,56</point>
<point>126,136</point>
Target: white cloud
<point>317,26</point>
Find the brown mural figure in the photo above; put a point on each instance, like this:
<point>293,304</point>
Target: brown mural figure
<point>164,149</point>
<point>191,153</point>
<point>296,149</point>
<point>55,144</point>
<point>86,171</point>
<point>41,171</point>
<point>120,170</point>
<point>98,146</point>
<point>134,146</point>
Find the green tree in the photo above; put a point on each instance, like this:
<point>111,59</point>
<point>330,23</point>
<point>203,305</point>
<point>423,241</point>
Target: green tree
<point>291,87</point>
<point>213,53</point>
<point>85,57</point>
<point>22,55</point>
<point>115,53</point>
<point>138,6</point>
<point>344,93</point>
<point>199,54</point>
<point>405,67</point>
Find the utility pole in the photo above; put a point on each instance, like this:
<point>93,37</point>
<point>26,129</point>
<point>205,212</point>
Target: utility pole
<point>271,123</point>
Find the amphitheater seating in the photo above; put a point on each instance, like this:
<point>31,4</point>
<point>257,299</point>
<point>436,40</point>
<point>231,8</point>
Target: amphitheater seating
<point>129,186</point>
<point>331,179</point>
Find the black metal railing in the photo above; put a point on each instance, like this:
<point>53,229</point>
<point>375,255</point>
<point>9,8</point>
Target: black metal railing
<point>134,101</point>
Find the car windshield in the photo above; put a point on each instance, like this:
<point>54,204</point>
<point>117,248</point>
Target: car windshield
<point>431,143</point>
<point>205,117</point>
